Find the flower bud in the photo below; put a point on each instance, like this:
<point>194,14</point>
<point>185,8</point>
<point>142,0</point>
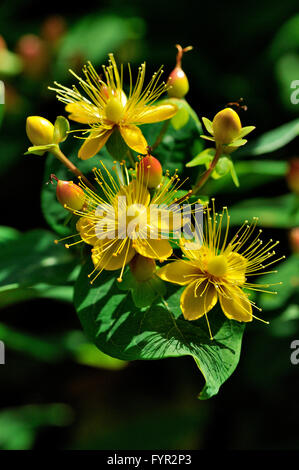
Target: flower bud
<point>39,130</point>
<point>294,239</point>
<point>150,171</point>
<point>142,268</point>
<point>226,126</point>
<point>292,175</point>
<point>69,194</point>
<point>177,80</point>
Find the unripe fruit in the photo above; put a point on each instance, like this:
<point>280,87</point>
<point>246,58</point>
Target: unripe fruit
<point>177,80</point>
<point>142,268</point>
<point>226,126</point>
<point>39,130</point>
<point>150,171</point>
<point>292,175</point>
<point>69,194</point>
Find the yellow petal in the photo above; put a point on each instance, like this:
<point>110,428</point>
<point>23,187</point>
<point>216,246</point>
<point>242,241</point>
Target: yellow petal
<point>235,304</point>
<point>84,113</point>
<point>157,113</point>
<point>86,228</point>
<point>112,254</point>
<point>134,138</point>
<point>179,272</point>
<point>197,299</point>
<point>236,268</point>
<point>156,249</point>
<point>93,145</point>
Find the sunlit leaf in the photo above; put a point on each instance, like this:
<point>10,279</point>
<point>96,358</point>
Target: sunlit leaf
<point>271,141</point>
<point>123,331</point>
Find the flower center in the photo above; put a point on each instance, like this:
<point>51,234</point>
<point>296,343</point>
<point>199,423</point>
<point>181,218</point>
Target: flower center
<point>217,266</point>
<point>114,110</point>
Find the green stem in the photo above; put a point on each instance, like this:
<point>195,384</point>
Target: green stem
<point>63,159</point>
<point>131,158</point>
<point>207,173</point>
<point>161,134</point>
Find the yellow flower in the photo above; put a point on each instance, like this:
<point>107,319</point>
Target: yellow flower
<point>123,218</point>
<point>216,270</point>
<point>107,108</point>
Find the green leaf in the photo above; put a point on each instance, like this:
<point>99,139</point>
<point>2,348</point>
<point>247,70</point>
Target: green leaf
<point>286,324</point>
<point>19,426</point>
<point>39,149</point>
<point>204,157</point>
<point>61,129</point>
<point>87,354</point>
<point>286,39</point>
<point>208,125</point>
<point>279,212</point>
<point>234,174</point>
<point>116,146</point>
<point>288,275</point>
<point>13,294</point>
<point>32,259</point>
<point>251,173</point>
<point>143,292</point>
<point>8,234</point>
<point>113,31</point>
<point>245,131</point>
<point>272,140</point>
<point>123,331</point>
<point>222,167</point>
<point>287,71</point>
<point>10,63</point>
<point>180,119</point>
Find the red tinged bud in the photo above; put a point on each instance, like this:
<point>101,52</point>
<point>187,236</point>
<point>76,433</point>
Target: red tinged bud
<point>34,54</point>
<point>69,194</point>
<point>142,268</point>
<point>294,239</point>
<point>177,80</point>
<point>150,171</point>
<point>292,175</point>
<point>2,43</point>
<point>53,28</point>
<point>226,126</point>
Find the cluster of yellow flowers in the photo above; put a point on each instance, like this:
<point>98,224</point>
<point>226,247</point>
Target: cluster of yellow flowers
<point>213,267</point>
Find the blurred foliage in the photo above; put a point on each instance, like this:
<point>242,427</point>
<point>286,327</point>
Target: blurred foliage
<point>54,376</point>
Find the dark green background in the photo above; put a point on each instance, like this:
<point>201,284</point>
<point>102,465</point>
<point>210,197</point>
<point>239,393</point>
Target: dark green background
<point>239,50</point>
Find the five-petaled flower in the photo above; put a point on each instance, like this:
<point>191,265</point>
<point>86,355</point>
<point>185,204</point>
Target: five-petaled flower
<point>215,270</point>
<point>126,219</point>
<point>107,107</point>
